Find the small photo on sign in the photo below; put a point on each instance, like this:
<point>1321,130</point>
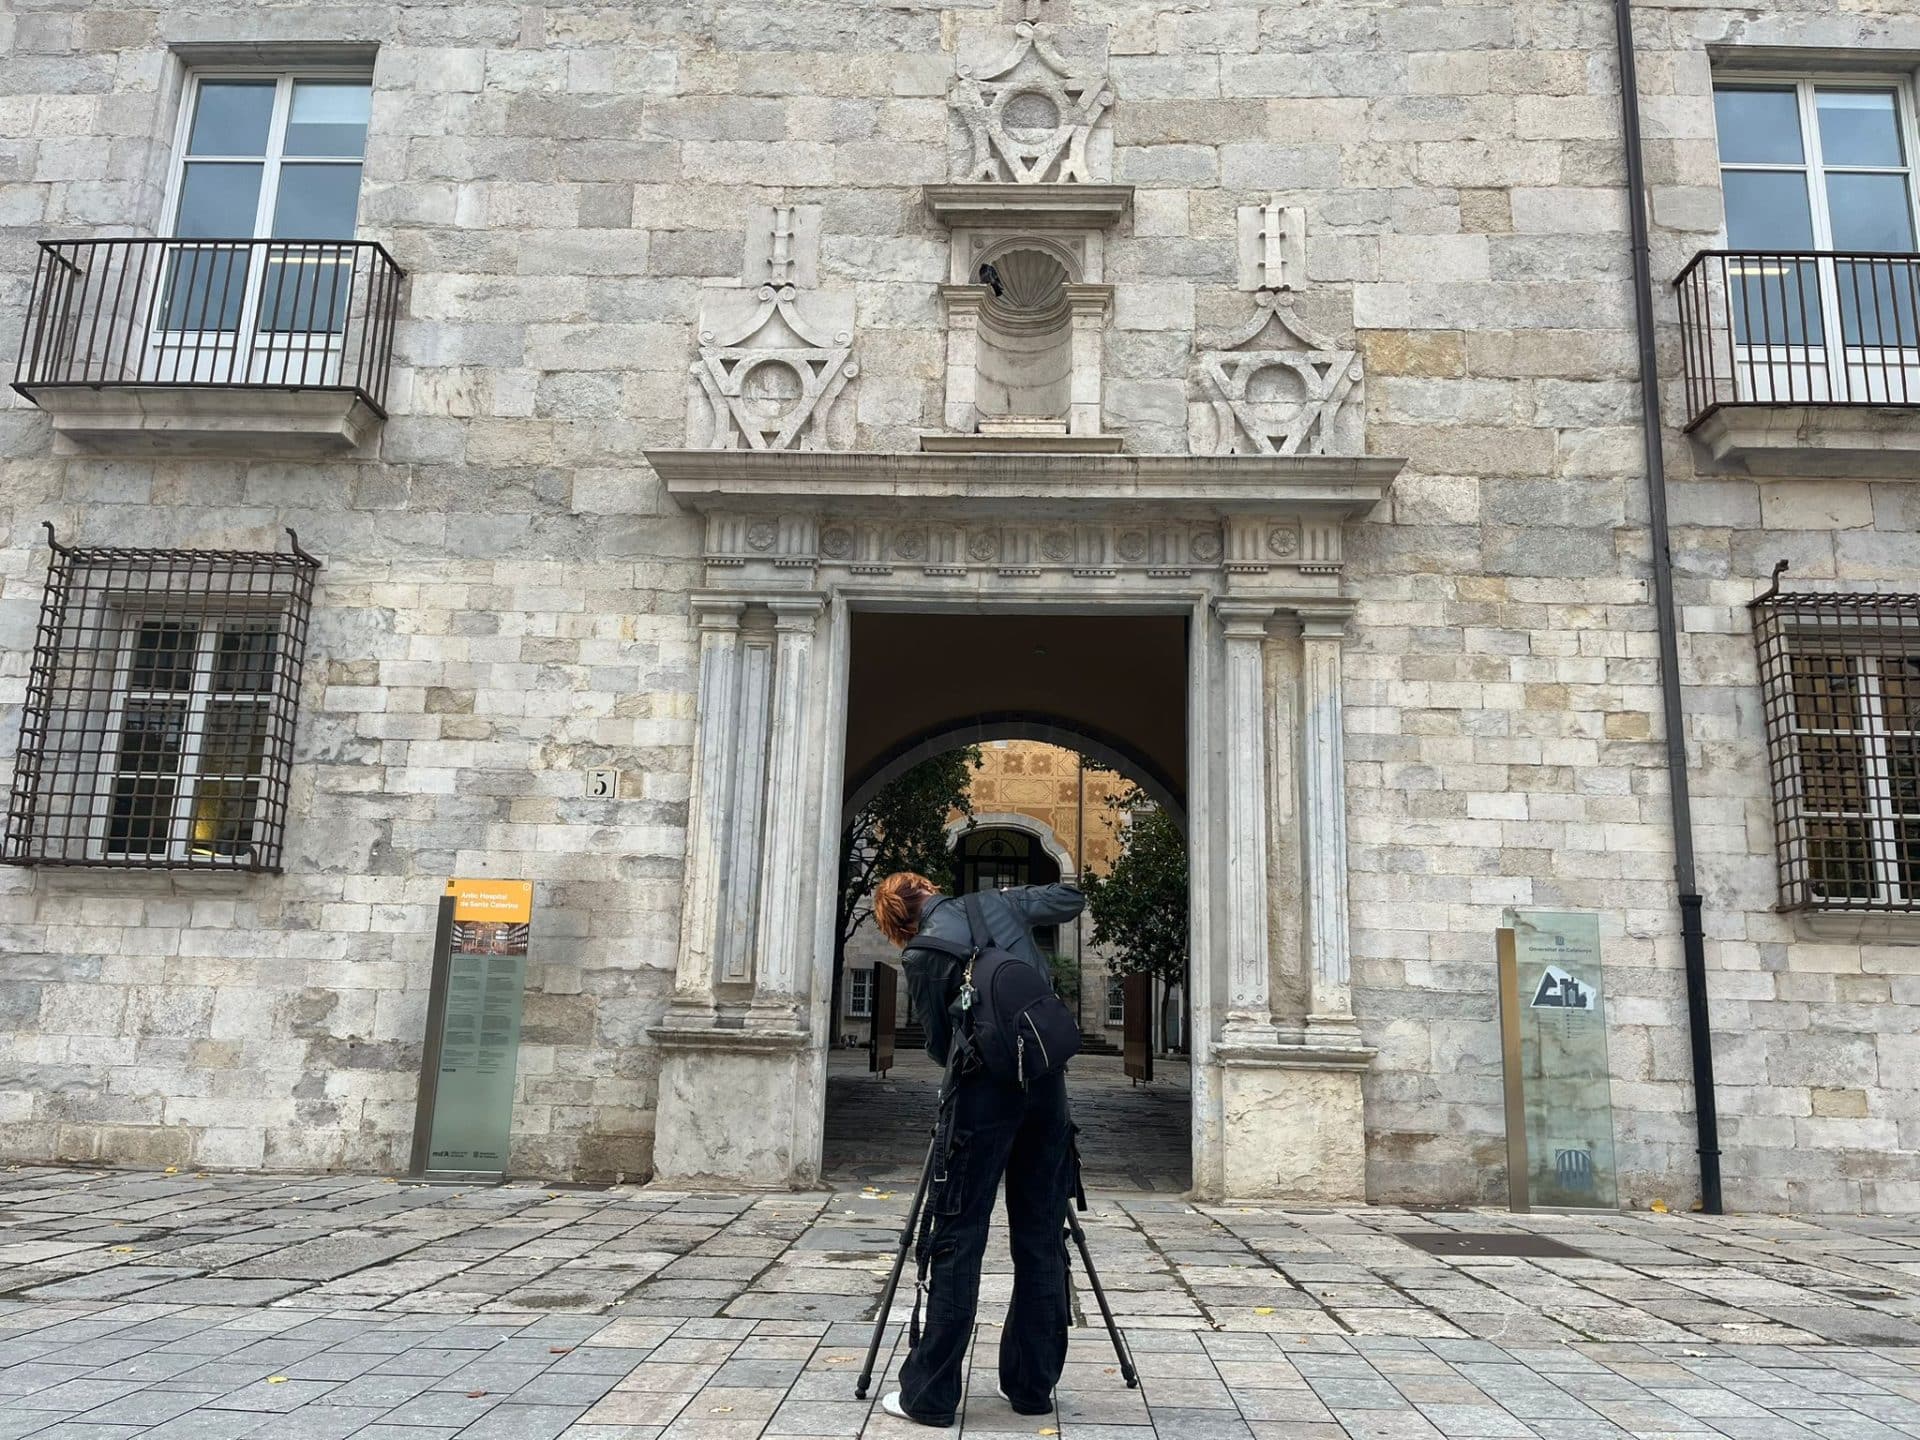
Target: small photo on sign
<point>1560,991</point>
<point>490,937</point>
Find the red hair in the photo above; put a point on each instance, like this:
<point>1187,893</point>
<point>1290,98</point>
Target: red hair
<point>896,904</point>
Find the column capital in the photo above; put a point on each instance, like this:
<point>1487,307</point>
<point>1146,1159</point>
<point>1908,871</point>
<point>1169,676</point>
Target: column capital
<point>796,612</point>
<point>1323,622</point>
<point>717,612</point>
<point>964,300</point>
<point>1245,619</point>
<point>1092,302</point>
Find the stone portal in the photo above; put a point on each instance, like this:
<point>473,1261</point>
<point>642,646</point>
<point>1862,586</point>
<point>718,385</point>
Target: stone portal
<point>1241,555</point>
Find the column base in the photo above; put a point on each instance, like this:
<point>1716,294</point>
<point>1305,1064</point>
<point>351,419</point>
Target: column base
<point>731,1102</point>
<point>1294,1122</point>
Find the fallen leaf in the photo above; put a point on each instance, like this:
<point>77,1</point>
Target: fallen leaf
<point>475,1394</point>
<point>560,1349</point>
<point>1048,1430</point>
<point>172,1170</point>
<point>199,1174</point>
<point>276,1379</point>
<point>839,1359</point>
<point>1263,1309</point>
<point>121,1249</point>
<point>720,1409</point>
<point>1658,1207</point>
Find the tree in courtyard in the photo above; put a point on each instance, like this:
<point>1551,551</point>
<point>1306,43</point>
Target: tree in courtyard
<point>1139,907</point>
<point>904,827</point>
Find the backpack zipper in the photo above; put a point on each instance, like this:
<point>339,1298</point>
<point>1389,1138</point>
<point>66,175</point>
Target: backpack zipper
<point>1044,1056</point>
<point>1020,1059</point>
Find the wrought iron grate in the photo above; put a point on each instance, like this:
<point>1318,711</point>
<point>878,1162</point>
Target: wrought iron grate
<point>1840,682</point>
<point>1493,1242</point>
<point>158,732</point>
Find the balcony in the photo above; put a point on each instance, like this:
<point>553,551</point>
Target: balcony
<point>1803,362</point>
<point>207,346</point>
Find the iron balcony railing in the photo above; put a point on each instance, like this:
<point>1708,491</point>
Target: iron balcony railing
<point>232,314</point>
<point>1799,327</point>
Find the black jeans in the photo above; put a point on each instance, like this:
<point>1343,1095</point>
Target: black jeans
<point>1026,1136</point>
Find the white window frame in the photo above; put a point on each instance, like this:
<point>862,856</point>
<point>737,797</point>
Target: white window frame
<point>1882,817</point>
<point>186,777</point>
<point>1116,1000</point>
<point>275,158</point>
<point>319,352</point>
<point>1813,163</point>
<point>859,994</point>
<point>1778,363</point>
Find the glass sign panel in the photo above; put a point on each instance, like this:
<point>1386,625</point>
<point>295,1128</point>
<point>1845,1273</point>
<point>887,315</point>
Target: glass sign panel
<point>480,980</point>
<point>1559,1082</point>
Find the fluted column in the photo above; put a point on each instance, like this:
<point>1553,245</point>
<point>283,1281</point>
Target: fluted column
<point>746,745</point>
<point>710,804</point>
<point>781,932</point>
<point>1249,1018</point>
<point>1330,1017</point>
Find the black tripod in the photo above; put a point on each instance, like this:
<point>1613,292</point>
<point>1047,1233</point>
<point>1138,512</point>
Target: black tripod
<point>1077,1201</point>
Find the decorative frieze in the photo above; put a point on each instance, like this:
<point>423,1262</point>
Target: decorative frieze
<point>1241,545</point>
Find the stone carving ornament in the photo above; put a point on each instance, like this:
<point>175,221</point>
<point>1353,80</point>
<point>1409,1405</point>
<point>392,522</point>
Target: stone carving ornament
<point>768,375</point>
<point>773,358</point>
<point>1029,114</point>
<point>1279,387</point>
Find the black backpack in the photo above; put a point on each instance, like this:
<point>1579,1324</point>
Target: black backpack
<point>1009,1016</point>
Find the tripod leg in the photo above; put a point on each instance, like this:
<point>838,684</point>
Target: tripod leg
<point>1127,1372</point>
<point>865,1381</point>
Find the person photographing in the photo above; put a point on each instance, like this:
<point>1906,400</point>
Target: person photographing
<point>984,992</point>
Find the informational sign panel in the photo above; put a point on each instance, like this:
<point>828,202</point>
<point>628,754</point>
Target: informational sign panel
<point>885,1003</point>
<point>1559,1084</point>
<point>1137,1026</point>
<point>465,1113</point>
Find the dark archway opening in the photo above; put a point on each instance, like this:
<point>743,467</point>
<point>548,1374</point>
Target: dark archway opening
<point>1069,712</point>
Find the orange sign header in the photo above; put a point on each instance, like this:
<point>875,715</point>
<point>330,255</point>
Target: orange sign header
<point>507,901</point>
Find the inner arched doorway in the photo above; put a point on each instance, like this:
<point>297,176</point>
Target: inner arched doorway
<point>1034,813</point>
<point>1055,697</point>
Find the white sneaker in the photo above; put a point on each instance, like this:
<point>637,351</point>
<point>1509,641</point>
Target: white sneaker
<point>890,1402</point>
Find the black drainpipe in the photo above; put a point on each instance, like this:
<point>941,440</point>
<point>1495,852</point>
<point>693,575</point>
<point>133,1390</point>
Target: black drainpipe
<point>1692,938</point>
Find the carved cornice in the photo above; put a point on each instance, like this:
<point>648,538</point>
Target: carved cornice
<point>1028,207</point>
<point>966,485</point>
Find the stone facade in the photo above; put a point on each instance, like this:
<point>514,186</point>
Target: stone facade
<point>505,599</point>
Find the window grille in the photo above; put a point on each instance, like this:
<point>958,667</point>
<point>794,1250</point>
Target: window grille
<point>1840,681</point>
<point>1116,1000</point>
<point>159,723</point>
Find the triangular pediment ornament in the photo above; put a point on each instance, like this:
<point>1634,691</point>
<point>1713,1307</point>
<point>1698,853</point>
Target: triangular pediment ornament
<point>1030,113</point>
<point>1279,387</point>
<point>773,358</point>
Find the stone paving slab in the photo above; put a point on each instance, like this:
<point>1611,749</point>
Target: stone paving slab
<point>1133,1136</point>
<point>307,1308</point>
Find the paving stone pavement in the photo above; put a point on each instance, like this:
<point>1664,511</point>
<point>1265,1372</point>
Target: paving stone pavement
<point>201,1307</point>
<point>1132,1137</point>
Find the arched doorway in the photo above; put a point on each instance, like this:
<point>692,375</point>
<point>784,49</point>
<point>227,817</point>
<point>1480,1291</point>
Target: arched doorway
<point>1034,813</point>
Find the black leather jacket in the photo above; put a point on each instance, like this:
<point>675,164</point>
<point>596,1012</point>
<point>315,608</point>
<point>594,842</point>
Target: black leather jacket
<point>933,977</point>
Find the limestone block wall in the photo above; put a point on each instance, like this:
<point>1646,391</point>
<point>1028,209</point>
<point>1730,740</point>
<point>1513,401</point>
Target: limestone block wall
<point>504,598</point>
